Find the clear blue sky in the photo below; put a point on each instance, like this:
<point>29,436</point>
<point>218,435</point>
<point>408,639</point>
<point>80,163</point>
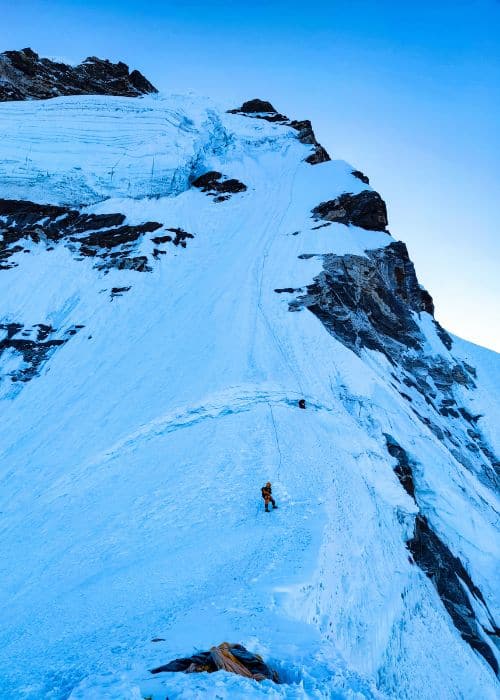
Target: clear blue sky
<point>407,92</point>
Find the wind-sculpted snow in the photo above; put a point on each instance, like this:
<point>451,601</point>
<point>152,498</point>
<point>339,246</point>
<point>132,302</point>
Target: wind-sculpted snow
<point>82,150</point>
<point>132,461</point>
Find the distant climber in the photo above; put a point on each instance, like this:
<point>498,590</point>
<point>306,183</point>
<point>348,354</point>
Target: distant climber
<point>302,403</point>
<point>267,496</point>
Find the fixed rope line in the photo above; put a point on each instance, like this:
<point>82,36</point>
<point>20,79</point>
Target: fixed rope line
<point>277,342</point>
<point>278,471</point>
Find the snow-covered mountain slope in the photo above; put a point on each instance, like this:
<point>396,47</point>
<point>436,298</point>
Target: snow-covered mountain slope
<point>159,331</point>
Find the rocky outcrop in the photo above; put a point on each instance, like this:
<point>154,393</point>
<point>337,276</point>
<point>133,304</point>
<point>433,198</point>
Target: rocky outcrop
<point>451,580</point>
<point>306,135</point>
<point>255,106</point>
<point>372,303</point>
<point>366,210</point>
<point>361,176</point>
<point>119,291</point>
<point>104,237</point>
<point>26,76</point>
<point>261,109</point>
<point>31,347</point>
<point>180,237</point>
<point>403,468</point>
<point>367,302</point>
<point>288,290</point>
<point>218,186</point>
<point>455,588</point>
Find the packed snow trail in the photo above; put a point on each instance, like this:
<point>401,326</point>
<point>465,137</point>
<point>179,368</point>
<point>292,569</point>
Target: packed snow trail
<point>132,466</point>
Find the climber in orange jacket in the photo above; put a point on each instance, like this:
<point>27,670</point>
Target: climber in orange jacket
<point>267,496</point>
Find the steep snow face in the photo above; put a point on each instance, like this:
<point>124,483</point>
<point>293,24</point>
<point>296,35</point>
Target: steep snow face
<point>133,451</point>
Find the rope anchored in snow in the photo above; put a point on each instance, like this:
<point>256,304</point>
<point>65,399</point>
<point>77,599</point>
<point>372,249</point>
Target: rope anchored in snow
<point>278,471</point>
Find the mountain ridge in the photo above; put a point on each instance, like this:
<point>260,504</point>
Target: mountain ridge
<point>24,75</point>
<point>175,279</point>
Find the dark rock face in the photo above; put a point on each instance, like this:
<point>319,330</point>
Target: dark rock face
<point>119,291</point>
<point>370,303</point>
<point>104,237</point>
<point>180,237</point>
<point>361,176</point>
<point>26,76</point>
<point>450,579</point>
<point>217,186</point>
<point>33,346</point>
<point>379,291</point>
<point>260,109</point>
<point>306,135</point>
<point>110,238</point>
<point>366,210</point>
<point>446,571</point>
<point>256,105</point>
<point>403,469</point>
<point>288,290</point>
